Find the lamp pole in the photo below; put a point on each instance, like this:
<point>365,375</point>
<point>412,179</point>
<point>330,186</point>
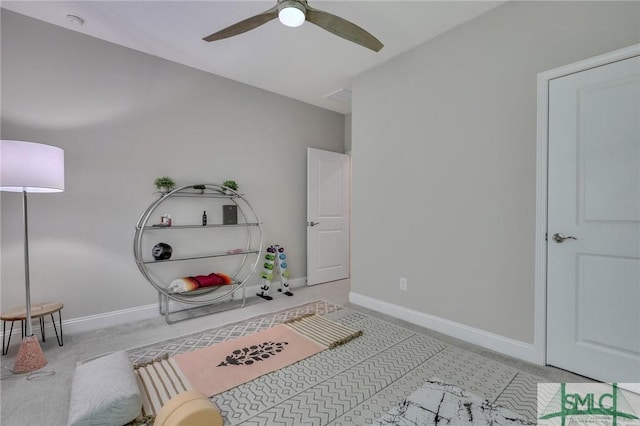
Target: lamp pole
<point>29,331</point>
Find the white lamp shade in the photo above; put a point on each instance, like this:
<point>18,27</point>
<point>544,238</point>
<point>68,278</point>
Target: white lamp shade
<point>31,167</point>
<point>291,16</point>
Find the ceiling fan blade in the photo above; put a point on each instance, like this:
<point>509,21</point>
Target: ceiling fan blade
<point>343,28</point>
<point>244,26</point>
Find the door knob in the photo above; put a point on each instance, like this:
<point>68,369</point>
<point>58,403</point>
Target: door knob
<point>559,238</point>
<point>313,223</point>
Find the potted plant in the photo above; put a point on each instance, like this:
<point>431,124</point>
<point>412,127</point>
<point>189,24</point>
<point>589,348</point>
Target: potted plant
<point>231,184</point>
<point>200,188</point>
<point>164,184</point>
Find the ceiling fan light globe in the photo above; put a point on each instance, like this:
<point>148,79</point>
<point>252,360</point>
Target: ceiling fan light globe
<point>291,16</point>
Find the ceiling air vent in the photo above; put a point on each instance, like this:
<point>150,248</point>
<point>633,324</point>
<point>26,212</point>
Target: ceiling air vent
<point>342,96</point>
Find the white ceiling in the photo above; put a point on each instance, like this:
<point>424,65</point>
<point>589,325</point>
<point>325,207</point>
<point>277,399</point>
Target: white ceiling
<point>304,63</point>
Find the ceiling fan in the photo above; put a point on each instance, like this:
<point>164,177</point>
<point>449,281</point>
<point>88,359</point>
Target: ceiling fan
<point>293,13</point>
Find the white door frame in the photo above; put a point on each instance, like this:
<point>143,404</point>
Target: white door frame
<point>330,223</point>
<point>540,272</point>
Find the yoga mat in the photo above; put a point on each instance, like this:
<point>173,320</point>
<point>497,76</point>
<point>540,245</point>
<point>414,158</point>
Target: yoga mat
<point>225,365</point>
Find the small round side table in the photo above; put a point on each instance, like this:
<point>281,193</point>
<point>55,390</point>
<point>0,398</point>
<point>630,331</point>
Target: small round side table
<point>38,310</point>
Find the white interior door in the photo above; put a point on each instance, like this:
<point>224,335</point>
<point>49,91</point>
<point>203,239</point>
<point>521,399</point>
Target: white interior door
<point>328,216</point>
<point>593,281</point>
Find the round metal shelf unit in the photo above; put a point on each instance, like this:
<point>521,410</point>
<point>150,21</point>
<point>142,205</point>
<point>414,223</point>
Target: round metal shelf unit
<point>247,220</point>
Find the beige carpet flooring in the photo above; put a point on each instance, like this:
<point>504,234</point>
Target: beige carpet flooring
<point>45,402</point>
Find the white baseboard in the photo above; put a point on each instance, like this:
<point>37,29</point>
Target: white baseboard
<point>125,316</point>
<point>108,319</point>
<point>495,342</point>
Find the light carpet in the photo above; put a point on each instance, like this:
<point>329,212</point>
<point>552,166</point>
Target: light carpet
<point>356,383</point>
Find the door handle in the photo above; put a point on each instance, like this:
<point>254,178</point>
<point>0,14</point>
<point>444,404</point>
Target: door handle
<point>559,238</point>
<point>313,223</point>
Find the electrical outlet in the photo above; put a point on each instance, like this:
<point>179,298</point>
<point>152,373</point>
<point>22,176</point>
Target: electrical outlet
<point>403,284</point>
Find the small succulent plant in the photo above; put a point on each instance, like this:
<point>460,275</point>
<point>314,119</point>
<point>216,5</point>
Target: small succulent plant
<point>164,182</point>
<point>231,184</point>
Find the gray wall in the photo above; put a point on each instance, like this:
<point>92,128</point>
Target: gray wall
<point>347,133</point>
<point>124,118</point>
<point>444,157</point>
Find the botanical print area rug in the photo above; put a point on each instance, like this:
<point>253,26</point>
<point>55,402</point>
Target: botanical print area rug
<point>356,383</point>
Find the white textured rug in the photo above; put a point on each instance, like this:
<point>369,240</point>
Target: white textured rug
<point>437,403</point>
<point>354,384</point>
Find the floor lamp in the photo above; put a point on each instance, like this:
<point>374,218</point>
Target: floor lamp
<point>30,167</point>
